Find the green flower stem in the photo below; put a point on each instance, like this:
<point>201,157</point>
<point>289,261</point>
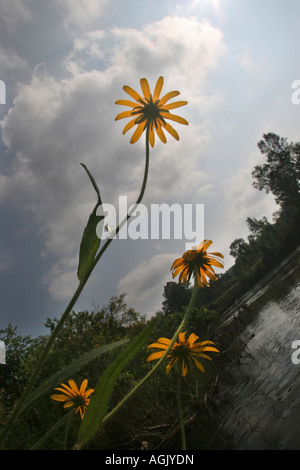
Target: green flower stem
<point>97,258</point>
<point>158,364</point>
<point>180,413</point>
<point>70,306</point>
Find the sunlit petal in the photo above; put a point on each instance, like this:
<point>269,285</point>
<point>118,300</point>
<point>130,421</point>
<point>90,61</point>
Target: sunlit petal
<point>124,114</point>
<point>173,117</point>
<point>160,133</point>
<point>176,104</point>
<point>132,104</point>
<point>168,96</point>
<point>155,355</point>
<point>171,130</point>
<point>129,125</point>
<point>158,88</point>
<point>151,137</point>
<point>138,132</point>
<point>145,88</point>
<point>132,93</point>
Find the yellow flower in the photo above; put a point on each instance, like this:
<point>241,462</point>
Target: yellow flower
<point>74,396</point>
<point>151,112</point>
<point>199,263</point>
<point>183,352</point>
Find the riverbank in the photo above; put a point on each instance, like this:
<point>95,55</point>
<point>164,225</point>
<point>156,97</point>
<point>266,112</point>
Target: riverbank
<point>257,405</point>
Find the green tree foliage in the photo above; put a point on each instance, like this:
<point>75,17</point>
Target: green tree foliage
<point>82,332</point>
<point>176,296</point>
<point>280,174</point>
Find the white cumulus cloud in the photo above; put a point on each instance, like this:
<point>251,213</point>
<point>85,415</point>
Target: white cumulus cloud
<point>56,123</point>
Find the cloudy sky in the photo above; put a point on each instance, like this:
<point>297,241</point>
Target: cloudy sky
<point>64,63</point>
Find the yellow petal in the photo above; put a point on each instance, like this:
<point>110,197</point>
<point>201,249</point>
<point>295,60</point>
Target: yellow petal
<point>192,338</point>
<point>83,386</point>
<point>174,117</point>
<point>184,368</point>
<point>176,104</point>
<point>171,363</point>
<point>156,355</point>
<point>59,397</point>
<point>199,247</point>
<point>126,103</point>
<point>214,262</point>
<point>211,275</point>
<point>88,392</point>
<point>69,404</point>
<point>73,385</point>
<point>138,132</point>
<point>145,88</point>
<point>210,348</point>
<point>168,96</point>
<point>206,244</point>
<point>199,365</point>
<point>122,115</point>
<point>202,277</point>
<point>164,341</point>
<point>158,345</point>
<point>158,88</point>
<point>181,337</point>
<point>129,125</point>
<point>67,391</point>
<point>183,277</point>
<point>177,262</point>
<point>160,133</point>
<point>217,254</point>
<point>171,130</point>
<point>177,270</point>
<point>132,93</point>
<point>151,137</point>
<point>203,343</point>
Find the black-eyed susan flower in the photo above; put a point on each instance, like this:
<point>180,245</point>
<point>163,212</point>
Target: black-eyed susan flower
<point>74,396</point>
<point>150,111</point>
<point>183,352</point>
<point>199,263</point>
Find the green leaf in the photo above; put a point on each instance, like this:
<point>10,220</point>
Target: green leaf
<point>97,408</point>
<point>69,371</point>
<point>90,242</point>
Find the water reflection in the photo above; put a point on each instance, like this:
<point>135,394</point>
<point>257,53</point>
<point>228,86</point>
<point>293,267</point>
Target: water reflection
<point>261,408</point>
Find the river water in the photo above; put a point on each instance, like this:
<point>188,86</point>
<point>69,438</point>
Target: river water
<point>259,404</point>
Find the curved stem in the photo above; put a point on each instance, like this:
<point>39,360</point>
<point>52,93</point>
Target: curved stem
<point>105,246</point>
<point>180,413</point>
<point>71,304</point>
